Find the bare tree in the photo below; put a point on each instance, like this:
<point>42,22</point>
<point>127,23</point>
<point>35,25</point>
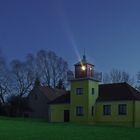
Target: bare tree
<point>51,68</point>
<point>127,78</point>
<point>58,67</point>
<point>138,81</point>
<point>31,66</point>
<point>23,76</point>
<point>23,80</point>
<point>138,77</point>
<point>4,80</point>
<point>117,76</point>
<point>106,78</point>
<point>43,69</point>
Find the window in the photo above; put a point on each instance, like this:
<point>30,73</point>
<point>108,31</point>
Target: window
<point>107,110</point>
<point>79,111</point>
<point>122,109</point>
<point>92,90</point>
<point>92,110</point>
<point>79,91</point>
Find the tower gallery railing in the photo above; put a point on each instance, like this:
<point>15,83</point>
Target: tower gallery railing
<point>96,76</point>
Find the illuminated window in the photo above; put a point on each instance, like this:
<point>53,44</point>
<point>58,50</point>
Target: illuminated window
<point>83,68</point>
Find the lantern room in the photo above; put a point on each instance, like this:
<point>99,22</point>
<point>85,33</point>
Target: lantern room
<point>83,69</point>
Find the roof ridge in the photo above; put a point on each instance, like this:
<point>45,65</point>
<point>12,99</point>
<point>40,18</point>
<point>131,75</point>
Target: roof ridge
<point>119,83</point>
<point>134,91</point>
<point>64,98</point>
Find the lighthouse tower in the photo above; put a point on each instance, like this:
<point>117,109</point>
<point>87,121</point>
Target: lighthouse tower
<point>84,92</point>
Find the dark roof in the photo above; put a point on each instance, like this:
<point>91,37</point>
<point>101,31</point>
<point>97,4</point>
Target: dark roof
<point>107,92</point>
<point>48,92</point>
<point>51,93</point>
<point>117,91</point>
<point>83,61</point>
<point>63,99</point>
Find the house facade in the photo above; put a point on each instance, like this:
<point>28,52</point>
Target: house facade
<point>39,99</point>
<point>89,102</point>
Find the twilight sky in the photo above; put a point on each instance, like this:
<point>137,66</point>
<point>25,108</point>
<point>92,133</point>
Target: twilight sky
<point>109,30</point>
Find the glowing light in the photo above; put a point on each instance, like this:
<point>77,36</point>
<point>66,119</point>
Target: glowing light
<point>69,33</point>
<point>83,68</point>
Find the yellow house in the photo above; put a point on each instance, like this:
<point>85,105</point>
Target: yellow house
<point>89,102</point>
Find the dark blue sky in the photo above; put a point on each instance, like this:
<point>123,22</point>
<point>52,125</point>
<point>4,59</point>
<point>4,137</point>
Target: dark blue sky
<point>109,30</point>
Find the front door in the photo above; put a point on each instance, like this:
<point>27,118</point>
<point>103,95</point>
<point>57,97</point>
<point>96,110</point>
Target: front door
<point>66,115</point>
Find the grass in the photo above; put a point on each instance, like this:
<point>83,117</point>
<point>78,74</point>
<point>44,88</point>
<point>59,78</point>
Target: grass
<point>29,129</point>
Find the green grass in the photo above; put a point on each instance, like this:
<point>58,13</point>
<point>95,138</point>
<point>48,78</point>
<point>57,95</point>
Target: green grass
<point>29,129</point>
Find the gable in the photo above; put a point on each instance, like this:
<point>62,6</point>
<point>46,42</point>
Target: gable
<point>47,93</point>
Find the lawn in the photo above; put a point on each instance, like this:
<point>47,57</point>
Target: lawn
<point>20,129</point>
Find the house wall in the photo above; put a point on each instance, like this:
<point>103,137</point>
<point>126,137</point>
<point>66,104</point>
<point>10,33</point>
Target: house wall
<point>92,99</point>
<point>38,104</point>
<point>114,118</point>
<point>57,112</point>
<point>86,100</point>
<point>137,114</point>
